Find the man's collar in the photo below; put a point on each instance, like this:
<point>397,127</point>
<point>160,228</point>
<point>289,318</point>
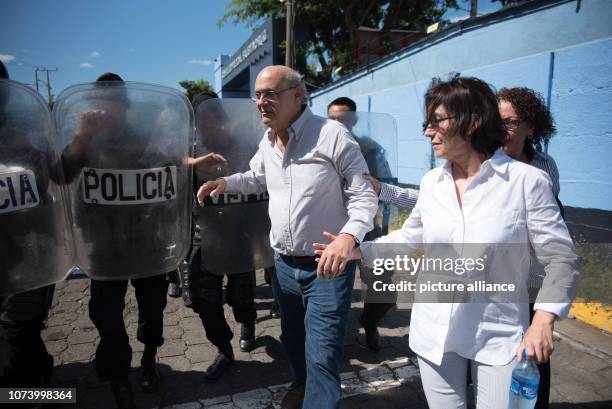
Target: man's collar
<point>299,123</point>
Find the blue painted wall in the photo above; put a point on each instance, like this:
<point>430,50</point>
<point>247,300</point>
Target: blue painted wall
<point>562,49</point>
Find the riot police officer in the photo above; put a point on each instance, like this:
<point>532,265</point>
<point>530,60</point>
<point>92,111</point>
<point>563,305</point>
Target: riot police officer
<point>24,360</point>
<point>343,109</point>
<point>206,288</point>
<point>107,302</point>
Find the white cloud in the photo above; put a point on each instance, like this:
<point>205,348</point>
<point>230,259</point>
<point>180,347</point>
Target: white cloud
<point>200,62</point>
<point>7,58</point>
<point>86,65</point>
<point>95,54</point>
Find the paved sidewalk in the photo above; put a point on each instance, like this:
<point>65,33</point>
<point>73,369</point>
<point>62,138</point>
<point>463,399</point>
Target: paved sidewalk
<point>581,378</point>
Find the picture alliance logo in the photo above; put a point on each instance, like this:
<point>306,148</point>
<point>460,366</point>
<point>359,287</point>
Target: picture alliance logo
<point>412,265</point>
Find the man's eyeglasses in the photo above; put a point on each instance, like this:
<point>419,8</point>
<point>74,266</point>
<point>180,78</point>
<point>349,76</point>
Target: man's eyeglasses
<point>512,123</point>
<point>269,95</point>
<point>434,122</point>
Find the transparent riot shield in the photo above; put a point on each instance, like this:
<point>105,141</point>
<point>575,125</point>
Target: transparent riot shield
<point>234,228</point>
<point>376,134</point>
<point>125,150</point>
<point>36,245</point>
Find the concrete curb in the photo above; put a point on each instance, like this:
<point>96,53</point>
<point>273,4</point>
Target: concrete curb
<point>585,338</point>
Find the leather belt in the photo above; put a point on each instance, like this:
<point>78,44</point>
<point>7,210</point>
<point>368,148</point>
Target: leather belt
<point>298,260</point>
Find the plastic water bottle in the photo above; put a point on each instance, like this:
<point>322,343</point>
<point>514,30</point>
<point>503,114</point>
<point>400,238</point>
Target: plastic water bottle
<point>524,385</point>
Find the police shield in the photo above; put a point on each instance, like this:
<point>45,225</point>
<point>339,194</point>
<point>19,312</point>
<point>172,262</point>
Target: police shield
<point>125,150</point>
<point>35,239</point>
<point>376,134</point>
<point>234,228</point>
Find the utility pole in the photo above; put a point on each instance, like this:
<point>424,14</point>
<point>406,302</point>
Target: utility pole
<point>47,82</point>
<point>473,8</point>
<point>289,46</point>
<point>36,79</point>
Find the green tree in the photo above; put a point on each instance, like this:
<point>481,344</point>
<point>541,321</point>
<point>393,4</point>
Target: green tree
<point>192,88</point>
<point>330,26</point>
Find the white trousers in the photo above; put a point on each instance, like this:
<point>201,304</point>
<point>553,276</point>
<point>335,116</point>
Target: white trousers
<point>445,385</point>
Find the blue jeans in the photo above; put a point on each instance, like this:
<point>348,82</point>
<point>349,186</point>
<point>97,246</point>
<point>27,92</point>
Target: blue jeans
<point>314,314</point>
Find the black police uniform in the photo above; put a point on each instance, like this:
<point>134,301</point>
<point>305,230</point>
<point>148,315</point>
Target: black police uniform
<point>107,301</point>
<point>206,293</point>
<point>24,360</point>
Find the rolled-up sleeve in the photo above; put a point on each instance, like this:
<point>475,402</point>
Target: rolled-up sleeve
<point>552,246</point>
<point>362,201</point>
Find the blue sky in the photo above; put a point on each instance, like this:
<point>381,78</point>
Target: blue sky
<point>156,41</point>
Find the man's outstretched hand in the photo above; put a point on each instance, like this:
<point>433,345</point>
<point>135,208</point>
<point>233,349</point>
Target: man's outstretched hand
<point>211,188</point>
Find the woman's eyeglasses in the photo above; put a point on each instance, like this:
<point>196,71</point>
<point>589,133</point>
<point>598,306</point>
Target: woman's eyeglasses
<point>434,122</point>
<point>512,123</point>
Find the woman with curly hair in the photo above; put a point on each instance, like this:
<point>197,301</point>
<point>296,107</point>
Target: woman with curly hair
<point>529,126</point>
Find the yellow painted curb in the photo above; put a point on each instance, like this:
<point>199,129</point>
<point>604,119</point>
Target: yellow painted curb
<point>595,314</point>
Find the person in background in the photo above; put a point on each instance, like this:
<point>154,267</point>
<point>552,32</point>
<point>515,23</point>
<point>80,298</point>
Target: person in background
<point>24,359</point>
<point>529,127</point>
<point>107,302</point>
<point>206,288</point>
<point>342,109</point>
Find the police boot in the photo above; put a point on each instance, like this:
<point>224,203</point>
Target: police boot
<point>124,397</point>
<point>247,337</point>
<point>149,376</point>
<point>224,360</point>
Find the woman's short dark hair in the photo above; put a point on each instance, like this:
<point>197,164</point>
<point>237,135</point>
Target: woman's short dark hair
<point>530,107</point>
<point>472,104</point>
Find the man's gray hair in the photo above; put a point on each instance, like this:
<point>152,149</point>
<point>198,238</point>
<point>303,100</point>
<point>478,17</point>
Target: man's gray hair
<point>295,79</point>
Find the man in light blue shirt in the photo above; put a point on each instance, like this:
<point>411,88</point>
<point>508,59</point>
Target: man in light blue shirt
<point>313,171</point>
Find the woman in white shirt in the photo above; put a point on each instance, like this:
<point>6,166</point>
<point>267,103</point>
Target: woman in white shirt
<point>481,195</point>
